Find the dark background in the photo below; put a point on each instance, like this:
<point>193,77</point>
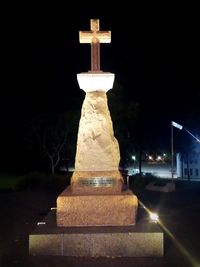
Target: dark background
<point>154,53</point>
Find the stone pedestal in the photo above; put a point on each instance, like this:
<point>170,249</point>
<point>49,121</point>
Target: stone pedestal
<point>145,239</point>
<point>99,210</point>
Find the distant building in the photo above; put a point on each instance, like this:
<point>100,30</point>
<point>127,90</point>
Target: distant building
<point>188,166</point>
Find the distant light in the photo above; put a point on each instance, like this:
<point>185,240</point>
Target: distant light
<point>154,217</point>
<point>164,155</point>
<point>41,223</point>
<point>150,158</point>
<point>133,157</point>
<point>159,158</point>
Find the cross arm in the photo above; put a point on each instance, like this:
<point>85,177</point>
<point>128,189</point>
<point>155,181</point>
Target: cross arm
<point>88,37</point>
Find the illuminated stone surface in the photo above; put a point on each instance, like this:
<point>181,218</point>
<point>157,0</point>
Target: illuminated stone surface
<point>93,81</point>
<point>97,153</point>
<point>97,148</point>
<point>144,239</point>
<point>81,182</point>
<point>90,210</point>
<point>95,37</point>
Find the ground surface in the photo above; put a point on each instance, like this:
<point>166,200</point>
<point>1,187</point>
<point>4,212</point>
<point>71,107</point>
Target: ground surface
<point>179,212</point>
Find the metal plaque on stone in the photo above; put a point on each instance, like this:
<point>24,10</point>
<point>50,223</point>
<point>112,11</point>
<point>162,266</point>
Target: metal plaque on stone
<point>97,182</point>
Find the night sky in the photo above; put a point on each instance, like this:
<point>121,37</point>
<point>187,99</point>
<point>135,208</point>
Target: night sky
<point>154,53</point>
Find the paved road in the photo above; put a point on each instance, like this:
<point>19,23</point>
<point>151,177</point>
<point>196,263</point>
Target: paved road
<point>179,212</point>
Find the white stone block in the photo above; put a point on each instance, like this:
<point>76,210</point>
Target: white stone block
<point>89,82</point>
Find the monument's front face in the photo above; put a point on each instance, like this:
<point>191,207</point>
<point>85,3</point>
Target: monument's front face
<point>95,196</point>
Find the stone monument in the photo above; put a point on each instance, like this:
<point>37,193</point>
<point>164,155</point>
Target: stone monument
<point>95,196</point>
<point>95,216</point>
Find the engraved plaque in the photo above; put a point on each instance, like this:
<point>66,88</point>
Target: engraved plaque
<point>97,182</point>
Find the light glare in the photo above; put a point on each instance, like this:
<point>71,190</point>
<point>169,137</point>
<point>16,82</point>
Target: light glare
<point>154,217</point>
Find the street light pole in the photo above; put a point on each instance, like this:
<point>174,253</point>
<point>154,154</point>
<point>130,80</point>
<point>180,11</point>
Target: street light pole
<point>134,159</point>
<point>172,152</point>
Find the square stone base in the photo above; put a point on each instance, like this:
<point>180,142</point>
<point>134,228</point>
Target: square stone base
<point>145,239</point>
<point>96,210</point>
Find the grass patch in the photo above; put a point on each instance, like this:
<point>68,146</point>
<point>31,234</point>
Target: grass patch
<point>34,181</point>
<point>9,181</point>
<point>45,181</point>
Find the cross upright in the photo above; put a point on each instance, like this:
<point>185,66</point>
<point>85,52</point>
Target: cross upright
<point>95,37</point>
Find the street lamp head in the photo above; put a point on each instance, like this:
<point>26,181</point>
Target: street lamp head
<point>133,157</point>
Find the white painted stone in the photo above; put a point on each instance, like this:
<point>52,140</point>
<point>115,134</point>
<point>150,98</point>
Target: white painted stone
<point>93,81</point>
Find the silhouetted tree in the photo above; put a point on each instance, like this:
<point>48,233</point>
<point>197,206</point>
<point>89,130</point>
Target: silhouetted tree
<point>51,138</point>
<point>124,115</point>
